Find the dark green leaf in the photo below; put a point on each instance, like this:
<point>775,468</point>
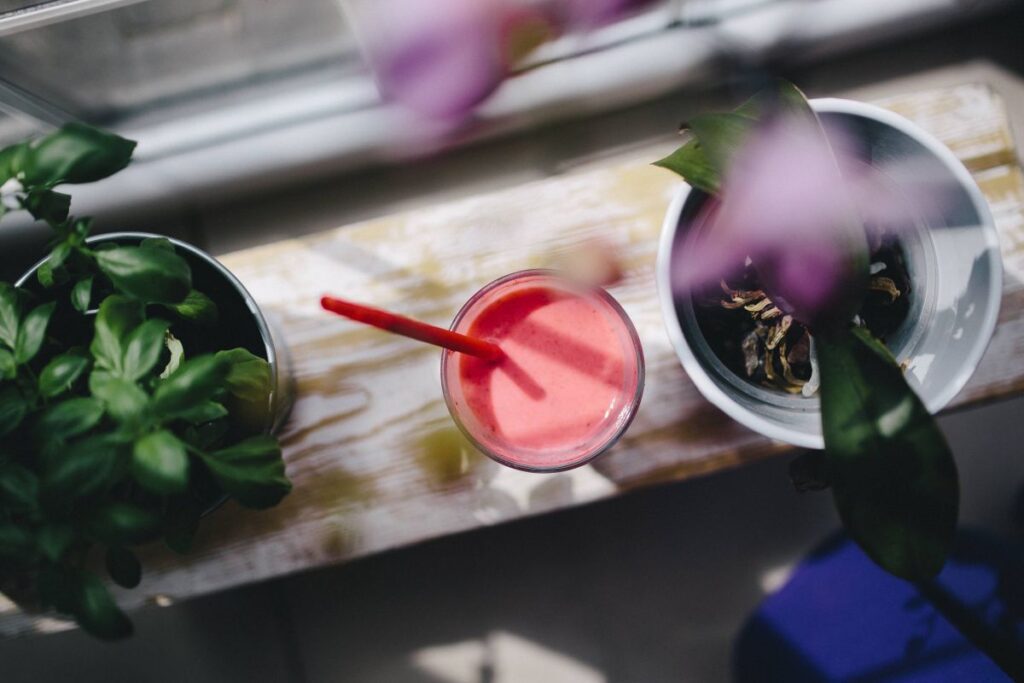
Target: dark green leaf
<point>69,418</point>
<point>81,295</point>
<point>125,401</point>
<point>83,468</point>
<point>160,463</point>
<point>19,487</point>
<point>123,567</point>
<point>53,540</point>
<point>77,153</point>
<point>181,522</point>
<point>151,275</point>
<point>248,385</point>
<point>194,382</point>
<point>58,256</point>
<point>252,472</point>
<point>13,407</point>
<point>12,161</point>
<point>32,332</point>
<point>61,372</point>
<point>96,612</point>
<point>204,412</point>
<point>198,308</point>
<point>47,205</point>
<point>157,243</point>
<point>143,348</point>
<point>8,368</point>
<point>120,523</point>
<point>15,542</point>
<point>117,316</point>
<point>690,162</point>
<point>891,471</point>
<point>9,315</point>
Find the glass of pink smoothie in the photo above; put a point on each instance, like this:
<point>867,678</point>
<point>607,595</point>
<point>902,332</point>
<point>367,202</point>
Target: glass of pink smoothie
<point>570,382</point>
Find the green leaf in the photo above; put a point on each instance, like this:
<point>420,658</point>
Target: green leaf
<point>252,471</point>
<point>151,275</point>
<point>198,308</point>
<point>58,256</point>
<point>32,332</point>
<point>123,567</point>
<point>892,474</point>
<point>177,351</point>
<point>8,368</point>
<point>248,385</point>
<point>160,463</point>
<point>12,161</point>
<point>83,468</point>
<point>143,348</point>
<point>117,316</point>
<point>69,418</point>
<point>15,542</point>
<point>61,372</point>
<point>81,295</point>
<point>13,407</point>
<point>19,487</point>
<point>10,315</point>
<point>721,136</point>
<point>77,153</point>
<point>53,540</point>
<point>204,412</point>
<point>194,382</point>
<point>121,523</point>
<point>690,162</point>
<point>125,401</point>
<point>47,205</point>
<point>96,612</point>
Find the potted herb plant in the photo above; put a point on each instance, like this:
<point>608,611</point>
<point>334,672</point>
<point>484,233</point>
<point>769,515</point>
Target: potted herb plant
<point>830,279</point>
<point>139,388</point>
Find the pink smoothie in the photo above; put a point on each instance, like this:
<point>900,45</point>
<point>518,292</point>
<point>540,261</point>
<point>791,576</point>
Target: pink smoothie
<point>569,384</point>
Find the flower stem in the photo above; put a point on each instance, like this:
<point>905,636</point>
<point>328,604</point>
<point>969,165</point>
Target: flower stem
<point>999,646</point>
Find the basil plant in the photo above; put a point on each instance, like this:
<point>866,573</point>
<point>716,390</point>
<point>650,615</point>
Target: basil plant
<point>119,425</point>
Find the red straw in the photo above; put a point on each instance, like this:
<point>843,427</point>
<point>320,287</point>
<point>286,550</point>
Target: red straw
<point>413,328</point>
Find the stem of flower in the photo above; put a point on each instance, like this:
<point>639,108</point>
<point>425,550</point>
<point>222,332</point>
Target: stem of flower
<point>1000,647</point>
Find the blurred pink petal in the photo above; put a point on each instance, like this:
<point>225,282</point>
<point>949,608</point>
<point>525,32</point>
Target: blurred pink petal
<point>587,14</point>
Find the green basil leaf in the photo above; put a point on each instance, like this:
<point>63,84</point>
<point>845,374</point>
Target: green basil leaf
<point>77,153</point>
<point>46,274</point>
<point>197,308</point>
<point>15,542</point>
<point>53,540</point>
<point>19,487</point>
<point>69,418</point>
<point>8,368</point>
<point>177,351</point>
<point>143,348</point>
<point>248,385</point>
<point>160,463</point>
<point>96,612</point>
<point>12,161</point>
<point>47,205</point>
<point>204,412</point>
<point>13,407</point>
<point>252,472</point>
<point>117,316</point>
<point>151,275</point>
<point>125,401</point>
<point>892,474</point>
<point>690,162</point>
<point>10,315</point>
<point>81,295</point>
<point>83,468</point>
<point>120,523</point>
<point>32,332</point>
<point>61,372</point>
<point>194,382</point>
<point>123,567</point>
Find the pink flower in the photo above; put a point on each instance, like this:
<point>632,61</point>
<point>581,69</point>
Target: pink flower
<point>588,14</point>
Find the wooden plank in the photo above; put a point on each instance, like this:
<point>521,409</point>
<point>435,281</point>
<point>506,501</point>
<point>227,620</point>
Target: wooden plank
<point>375,459</point>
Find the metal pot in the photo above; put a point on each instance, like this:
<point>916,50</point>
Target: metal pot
<point>954,262</point>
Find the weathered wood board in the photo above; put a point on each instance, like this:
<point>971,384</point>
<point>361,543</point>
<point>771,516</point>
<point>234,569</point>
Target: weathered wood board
<point>374,457</point>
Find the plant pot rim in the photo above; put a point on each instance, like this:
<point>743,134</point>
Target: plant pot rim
<point>770,425</point>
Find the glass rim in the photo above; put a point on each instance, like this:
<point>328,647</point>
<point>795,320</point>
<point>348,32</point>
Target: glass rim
<point>626,415</point>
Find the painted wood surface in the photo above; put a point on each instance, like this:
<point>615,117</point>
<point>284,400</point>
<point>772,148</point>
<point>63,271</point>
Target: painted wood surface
<point>374,457</point>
